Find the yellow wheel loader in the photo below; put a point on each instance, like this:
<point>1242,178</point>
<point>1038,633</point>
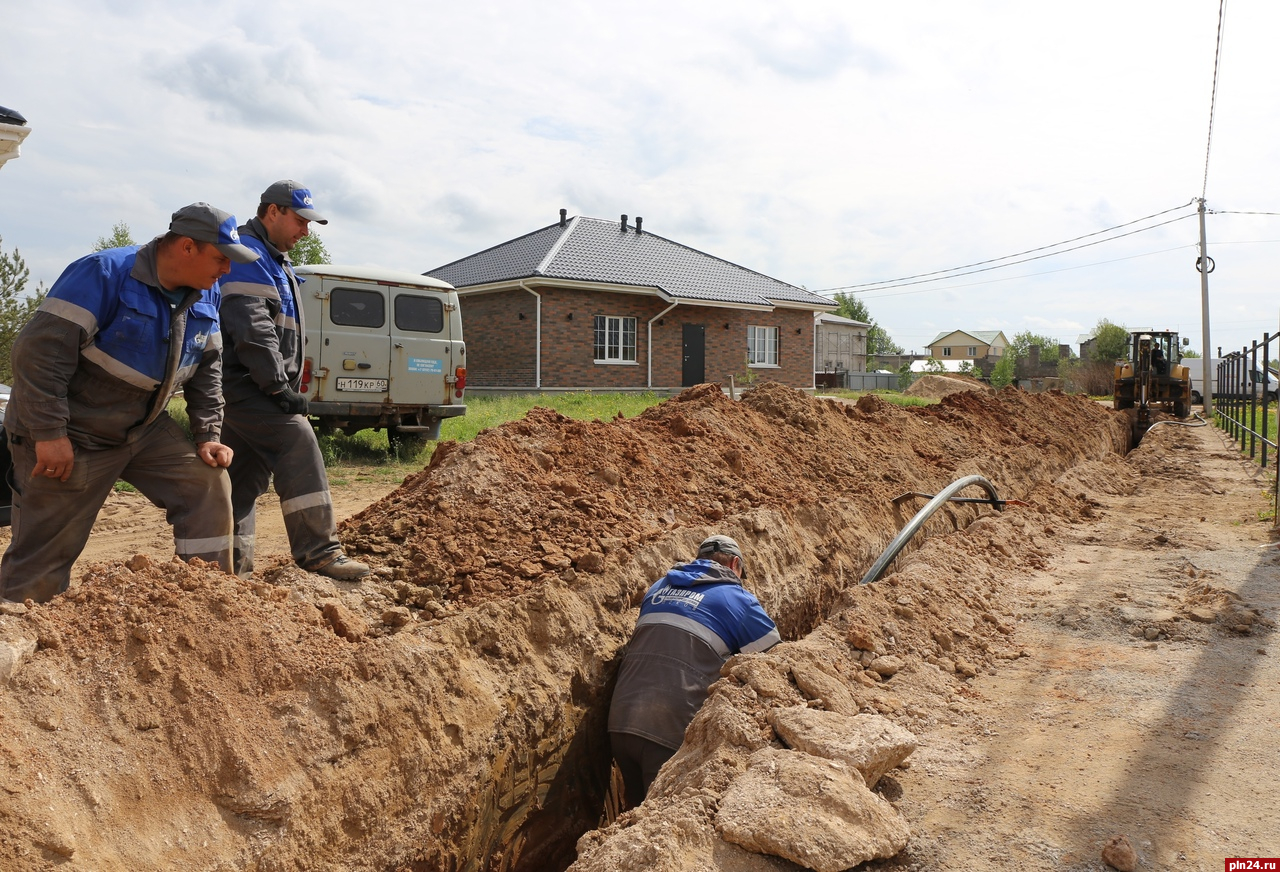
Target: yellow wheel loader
<point>1153,379</point>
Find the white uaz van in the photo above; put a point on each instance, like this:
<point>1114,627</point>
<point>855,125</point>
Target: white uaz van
<point>383,349</point>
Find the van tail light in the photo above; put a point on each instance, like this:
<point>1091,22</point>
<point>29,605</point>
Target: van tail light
<point>460,385</point>
<point>306,375</point>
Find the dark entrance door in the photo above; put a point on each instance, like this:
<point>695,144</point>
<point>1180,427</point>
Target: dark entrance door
<point>693,370</point>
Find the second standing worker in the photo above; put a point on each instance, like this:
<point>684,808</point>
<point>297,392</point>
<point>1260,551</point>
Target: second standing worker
<point>266,421</point>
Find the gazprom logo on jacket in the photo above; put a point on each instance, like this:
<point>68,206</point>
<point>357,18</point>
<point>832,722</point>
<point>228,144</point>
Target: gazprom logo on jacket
<point>678,596</point>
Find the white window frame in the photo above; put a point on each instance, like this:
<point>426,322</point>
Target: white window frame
<point>973,351</point>
<point>762,347</point>
<point>946,351</point>
<point>619,340</point>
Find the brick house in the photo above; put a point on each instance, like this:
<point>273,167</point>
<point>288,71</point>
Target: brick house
<point>590,304</point>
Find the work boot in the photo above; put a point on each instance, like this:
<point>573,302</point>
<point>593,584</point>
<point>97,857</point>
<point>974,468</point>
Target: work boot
<point>343,568</point>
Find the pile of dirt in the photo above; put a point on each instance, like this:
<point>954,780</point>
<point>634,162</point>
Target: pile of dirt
<point>449,713</point>
<point>935,387</point>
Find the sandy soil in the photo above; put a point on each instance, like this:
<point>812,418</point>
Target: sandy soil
<point>1096,663</point>
<point>1147,698</point>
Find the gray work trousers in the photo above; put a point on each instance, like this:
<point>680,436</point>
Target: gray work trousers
<point>267,441</point>
<point>639,760</point>
<point>52,518</point>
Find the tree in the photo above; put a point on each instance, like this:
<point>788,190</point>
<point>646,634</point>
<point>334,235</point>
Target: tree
<point>16,308</point>
<point>1110,342</point>
<point>1020,347</point>
<point>878,340</point>
<point>309,250</point>
<point>1096,375</point>
<point>119,238</point>
<point>1003,373</point>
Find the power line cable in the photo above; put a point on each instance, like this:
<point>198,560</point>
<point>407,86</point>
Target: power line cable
<point>961,271</point>
<point>1213,99</point>
<point>955,269</point>
<point>876,295</point>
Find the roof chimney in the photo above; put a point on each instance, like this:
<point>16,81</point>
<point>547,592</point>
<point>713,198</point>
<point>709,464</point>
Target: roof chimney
<point>624,223</point>
<point>563,217</point>
<point>639,221</point>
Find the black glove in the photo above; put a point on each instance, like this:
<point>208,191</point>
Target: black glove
<point>290,401</point>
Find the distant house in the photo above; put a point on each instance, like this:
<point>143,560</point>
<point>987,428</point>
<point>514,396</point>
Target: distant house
<point>587,303</point>
<point>840,344</point>
<point>975,345</point>
<point>1086,342</point>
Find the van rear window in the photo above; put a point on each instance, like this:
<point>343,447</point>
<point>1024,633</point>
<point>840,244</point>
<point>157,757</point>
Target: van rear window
<point>351,308</point>
<point>419,314</point>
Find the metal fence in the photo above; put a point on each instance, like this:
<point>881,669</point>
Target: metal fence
<point>1244,403</point>
<point>857,381</point>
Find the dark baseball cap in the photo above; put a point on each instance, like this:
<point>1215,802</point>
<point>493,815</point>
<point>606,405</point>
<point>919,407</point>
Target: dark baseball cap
<point>205,223</point>
<point>722,545</point>
<point>293,195</point>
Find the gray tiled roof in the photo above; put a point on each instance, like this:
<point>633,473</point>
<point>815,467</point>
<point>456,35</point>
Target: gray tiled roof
<point>594,250</point>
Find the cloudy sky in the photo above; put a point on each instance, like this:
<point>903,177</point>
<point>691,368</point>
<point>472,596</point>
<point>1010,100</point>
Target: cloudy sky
<point>827,144</point>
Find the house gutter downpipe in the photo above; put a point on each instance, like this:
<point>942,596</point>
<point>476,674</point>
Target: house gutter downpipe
<point>537,346</point>
<point>649,326</point>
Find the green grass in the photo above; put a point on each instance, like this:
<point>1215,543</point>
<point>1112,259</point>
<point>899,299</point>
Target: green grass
<point>896,397</point>
<point>486,412</point>
<point>371,448</point>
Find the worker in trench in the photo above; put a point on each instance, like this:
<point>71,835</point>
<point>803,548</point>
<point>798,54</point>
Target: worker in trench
<point>691,621</point>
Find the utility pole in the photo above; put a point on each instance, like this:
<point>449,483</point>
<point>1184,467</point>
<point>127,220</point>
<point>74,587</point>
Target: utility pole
<point>1205,266</point>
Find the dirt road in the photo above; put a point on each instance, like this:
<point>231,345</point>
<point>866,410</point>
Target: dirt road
<point>1148,700</point>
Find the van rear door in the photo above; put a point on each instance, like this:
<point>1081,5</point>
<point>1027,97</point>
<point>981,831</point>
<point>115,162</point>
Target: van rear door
<point>421,346</point>
<point>355,342</point>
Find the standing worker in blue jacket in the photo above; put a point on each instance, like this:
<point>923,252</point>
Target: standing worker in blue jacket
<point>691,621</point>
<point>267,423</point>
<point>118,335</point>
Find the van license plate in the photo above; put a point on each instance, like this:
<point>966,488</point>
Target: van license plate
<point>373,385</point>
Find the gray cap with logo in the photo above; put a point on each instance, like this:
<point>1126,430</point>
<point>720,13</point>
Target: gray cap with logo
<point>293,195</point>
<point>205,223</point>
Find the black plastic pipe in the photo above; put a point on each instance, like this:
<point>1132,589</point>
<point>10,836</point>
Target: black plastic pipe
<point>923,515</point>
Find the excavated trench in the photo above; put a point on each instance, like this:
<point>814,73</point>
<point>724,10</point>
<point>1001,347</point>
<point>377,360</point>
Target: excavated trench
<point>451,714</point>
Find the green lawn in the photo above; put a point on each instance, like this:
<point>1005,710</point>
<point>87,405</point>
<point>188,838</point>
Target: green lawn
<point>896,397</point>
<point>369,447</point>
